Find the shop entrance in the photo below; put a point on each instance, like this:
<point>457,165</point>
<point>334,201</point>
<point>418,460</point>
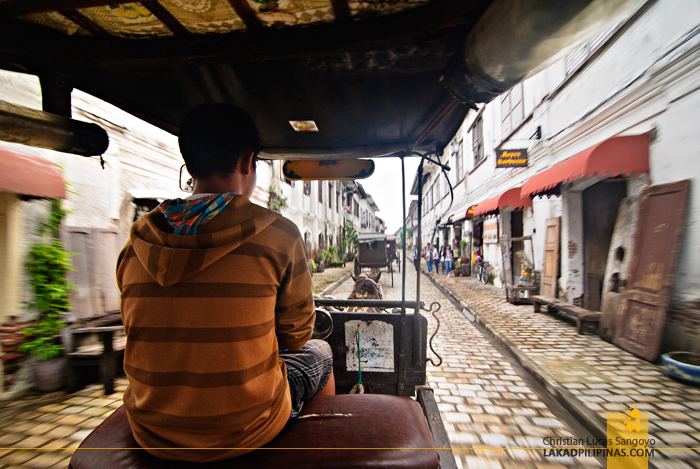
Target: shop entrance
<point>516,231</point>
<point>600,204</point>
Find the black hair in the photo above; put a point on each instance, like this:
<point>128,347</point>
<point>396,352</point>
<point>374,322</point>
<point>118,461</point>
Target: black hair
<point>213,136</point>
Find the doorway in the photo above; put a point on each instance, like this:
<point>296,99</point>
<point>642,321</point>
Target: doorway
<point>516,231</point>
<point>601,202</point>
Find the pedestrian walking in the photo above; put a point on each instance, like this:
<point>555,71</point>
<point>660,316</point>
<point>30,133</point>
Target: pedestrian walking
<point>415,257</point>
<point>435,258</point>
<point>448,260</point>
<point>429,258</point>
<point>442,259</point>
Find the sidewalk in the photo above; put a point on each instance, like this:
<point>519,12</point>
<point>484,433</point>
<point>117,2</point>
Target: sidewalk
<point>42,430</point>
<point>331,277</point>
<point>588,376</point>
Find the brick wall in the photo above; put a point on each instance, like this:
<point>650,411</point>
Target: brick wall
<point>11,337</point>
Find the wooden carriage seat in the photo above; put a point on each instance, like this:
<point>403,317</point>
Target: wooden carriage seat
<point>350,431</point>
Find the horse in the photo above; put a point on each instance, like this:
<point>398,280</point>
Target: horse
<point>367,287</point>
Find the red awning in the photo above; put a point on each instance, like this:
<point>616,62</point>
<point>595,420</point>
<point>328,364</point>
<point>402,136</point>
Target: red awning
<point>508,199</point>
<point>30,175</point>
<point>617,156</point>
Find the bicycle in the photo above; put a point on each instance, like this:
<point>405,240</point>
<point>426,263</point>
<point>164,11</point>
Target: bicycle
<point>482,272</point>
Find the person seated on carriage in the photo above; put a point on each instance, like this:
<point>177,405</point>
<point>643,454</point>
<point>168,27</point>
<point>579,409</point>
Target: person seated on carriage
<point>217,305</point>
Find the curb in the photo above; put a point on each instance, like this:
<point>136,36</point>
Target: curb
<point>571,403</point>
<point>336,284</point>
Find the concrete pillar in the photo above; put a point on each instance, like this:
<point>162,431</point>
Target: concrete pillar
<point>10,261</point>
<point>572,269</point>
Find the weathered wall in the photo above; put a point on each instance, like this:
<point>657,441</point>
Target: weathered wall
<point>572,269</point>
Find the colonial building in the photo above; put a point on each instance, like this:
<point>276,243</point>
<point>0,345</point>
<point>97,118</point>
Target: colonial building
<point>559,152</point>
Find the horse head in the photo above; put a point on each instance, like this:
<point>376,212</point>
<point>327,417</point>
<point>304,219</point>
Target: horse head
<point>367,287</point>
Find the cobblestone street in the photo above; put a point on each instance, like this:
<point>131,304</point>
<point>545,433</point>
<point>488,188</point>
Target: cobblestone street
<point>498,360</point>
<point>589,376</point>
<point>493,417</point>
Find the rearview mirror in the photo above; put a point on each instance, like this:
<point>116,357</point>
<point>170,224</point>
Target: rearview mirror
<point>308,170</point>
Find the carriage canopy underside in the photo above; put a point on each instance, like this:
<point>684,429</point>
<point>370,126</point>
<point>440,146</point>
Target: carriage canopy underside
<point>321,78</point>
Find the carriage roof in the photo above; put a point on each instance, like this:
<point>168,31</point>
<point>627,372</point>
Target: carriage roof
<point>370,237</point>
<point>327,79</point>
<point>367,74</point>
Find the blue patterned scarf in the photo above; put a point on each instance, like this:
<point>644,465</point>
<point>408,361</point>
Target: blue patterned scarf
<point>186,215</point>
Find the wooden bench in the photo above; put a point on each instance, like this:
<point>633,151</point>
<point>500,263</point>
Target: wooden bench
<point>582,316</point>
<point>104,355</point>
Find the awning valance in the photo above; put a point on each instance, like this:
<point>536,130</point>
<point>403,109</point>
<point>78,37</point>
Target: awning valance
<point>30,175</point>
<point>508,199</point>
<point>618,156</point>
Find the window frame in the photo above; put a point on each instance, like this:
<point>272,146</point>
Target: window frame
<point>478,140</point>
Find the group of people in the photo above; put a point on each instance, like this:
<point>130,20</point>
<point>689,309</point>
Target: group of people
<point>438,260</point>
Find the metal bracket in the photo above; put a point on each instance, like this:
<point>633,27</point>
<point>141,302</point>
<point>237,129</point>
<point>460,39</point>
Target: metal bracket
<point>437,328</point>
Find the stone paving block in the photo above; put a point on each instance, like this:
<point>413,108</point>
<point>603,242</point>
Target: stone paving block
<point>673,415</point>
<point>80,435</point>
<point>45,460</point>
<point>52,408</point>
<point>41,429</point>
<point>73,409</point>
<point>70,419</point>
<point>674,426</point>
<point>91,423</point>
<point>495,440</point>
<point>483,418</point>
<point>60,431</point>
<point>478,462</point>
<point>18,456</point>
<point>675,438</point>
<point>457,417</point>
<point>462,438</point>
<point>9,439</point>
<point>671,464</point>
<point>446,407</point>
<point>35,441</point>
<point>77,400</point>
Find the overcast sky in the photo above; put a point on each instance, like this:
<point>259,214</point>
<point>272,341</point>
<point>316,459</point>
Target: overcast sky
<point>385,188</point>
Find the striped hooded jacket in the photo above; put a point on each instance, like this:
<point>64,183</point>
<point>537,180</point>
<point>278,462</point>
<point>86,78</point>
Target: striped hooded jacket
<point>205,316</point>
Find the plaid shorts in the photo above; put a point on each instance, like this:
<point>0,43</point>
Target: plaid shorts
<point>308,371</point>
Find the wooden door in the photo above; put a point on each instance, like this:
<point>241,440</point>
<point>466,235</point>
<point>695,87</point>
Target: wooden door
<point>617,266</point>
<point>550,271</point>
<point>94,279</point>
<point>660,228</point>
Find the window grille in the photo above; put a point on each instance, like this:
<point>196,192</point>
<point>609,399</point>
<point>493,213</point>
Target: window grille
<point>478,140</point>
<point>512,112</point>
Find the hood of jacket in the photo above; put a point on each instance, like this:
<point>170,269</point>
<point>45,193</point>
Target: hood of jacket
<point>171,258</point>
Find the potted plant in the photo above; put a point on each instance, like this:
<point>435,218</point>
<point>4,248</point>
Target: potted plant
<point>464,260</point>
<point>47,266</point>
<point>458,268</point>
<point>320,260</point>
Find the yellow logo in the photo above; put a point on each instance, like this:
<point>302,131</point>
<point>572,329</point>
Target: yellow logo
<point>629,445</point>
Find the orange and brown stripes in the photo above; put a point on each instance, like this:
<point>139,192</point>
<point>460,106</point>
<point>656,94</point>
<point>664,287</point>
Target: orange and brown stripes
<point>199,290</point>
<point>199,335</point>
<point>223,421</point>
<point>201,380</point>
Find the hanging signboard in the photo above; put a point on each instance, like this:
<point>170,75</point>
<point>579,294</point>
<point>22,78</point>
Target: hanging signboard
<point>511,158</point>
<point>470,212</point>
<point>491,231</point>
